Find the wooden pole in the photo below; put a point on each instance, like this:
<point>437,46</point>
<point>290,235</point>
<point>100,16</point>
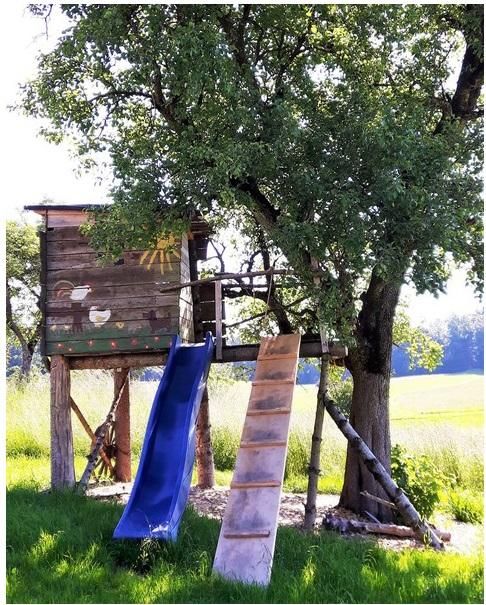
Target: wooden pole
<point>314,464</point>
<point>62,453</point>
<point>204,448</point>
<point>123,461</point>
<point>396,495</point>
<point>218,319</point>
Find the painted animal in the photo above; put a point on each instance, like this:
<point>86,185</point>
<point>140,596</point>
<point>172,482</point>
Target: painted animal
<point>156,323</point>
<point>99,316</point>
<point>80,292</point>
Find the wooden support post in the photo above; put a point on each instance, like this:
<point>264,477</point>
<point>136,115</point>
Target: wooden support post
<point>123,462</point>
<point>62,454</point>
<point>204,448</point>
<point>218,319</point>
<point>315,456</point>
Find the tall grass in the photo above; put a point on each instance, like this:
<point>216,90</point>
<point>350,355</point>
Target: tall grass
<point>456,450</point>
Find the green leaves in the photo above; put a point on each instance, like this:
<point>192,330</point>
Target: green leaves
<point>22,281</point>
<point>332,112</point>
<point>423,351</point>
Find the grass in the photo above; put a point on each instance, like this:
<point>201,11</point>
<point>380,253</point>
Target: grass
<point>437,415</point>
<point>60,547</point>
<point>466,506</point>
<point>60,550</point>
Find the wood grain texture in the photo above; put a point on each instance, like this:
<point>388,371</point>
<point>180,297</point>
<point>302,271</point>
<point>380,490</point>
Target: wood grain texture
<point>96,308</point>
<point>43,288</point>
<point>86,259</point>
<point>110,362</point>
<point>121,302</point>
<point>62,454</point>
<point>113,276</point>
<point>123,460</point>
<point>254,500</point>
<point>117,292</point>
<point>95,316</point>
<point>101,309</point>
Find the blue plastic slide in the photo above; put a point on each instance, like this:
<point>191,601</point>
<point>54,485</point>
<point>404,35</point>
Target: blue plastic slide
<point>161,487</point>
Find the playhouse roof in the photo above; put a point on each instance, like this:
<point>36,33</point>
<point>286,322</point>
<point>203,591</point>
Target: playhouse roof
<point>198,224</point>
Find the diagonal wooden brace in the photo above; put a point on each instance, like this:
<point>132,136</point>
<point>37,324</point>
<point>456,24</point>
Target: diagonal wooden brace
<point>91,434</point>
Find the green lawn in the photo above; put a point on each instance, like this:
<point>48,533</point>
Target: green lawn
<point>60,550</point>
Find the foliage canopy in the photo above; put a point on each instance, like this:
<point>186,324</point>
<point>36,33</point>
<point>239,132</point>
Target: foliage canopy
<point>340,129</point>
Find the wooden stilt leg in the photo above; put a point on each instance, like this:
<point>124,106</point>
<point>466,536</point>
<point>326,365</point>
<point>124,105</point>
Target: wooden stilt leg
<point>62,455</point>
<point>123,462</point>
<point>204,448</point>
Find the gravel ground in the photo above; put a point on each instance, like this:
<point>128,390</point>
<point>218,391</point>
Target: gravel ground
<point>466,538</point>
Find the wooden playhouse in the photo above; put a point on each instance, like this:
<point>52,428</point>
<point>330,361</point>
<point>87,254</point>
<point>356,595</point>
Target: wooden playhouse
<point>122,316</point>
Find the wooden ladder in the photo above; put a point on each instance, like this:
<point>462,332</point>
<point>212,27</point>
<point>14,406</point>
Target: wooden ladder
<point>247,539</point>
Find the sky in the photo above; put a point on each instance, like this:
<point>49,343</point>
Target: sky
<point>34,170</point>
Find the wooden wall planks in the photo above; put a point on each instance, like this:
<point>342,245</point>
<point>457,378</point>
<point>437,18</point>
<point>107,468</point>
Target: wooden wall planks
<point>95,308</point>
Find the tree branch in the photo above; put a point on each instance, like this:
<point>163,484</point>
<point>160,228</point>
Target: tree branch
<point>463,104</point>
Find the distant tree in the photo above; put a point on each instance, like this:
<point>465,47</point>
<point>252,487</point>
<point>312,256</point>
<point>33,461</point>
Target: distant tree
<point>462,337</point>
<point>24,322</point>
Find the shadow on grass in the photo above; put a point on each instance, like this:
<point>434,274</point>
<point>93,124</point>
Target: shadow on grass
<point>60,550</point>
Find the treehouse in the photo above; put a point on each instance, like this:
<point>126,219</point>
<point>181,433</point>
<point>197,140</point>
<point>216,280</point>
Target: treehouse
<point>121,316</point>
<point>149,307</point>
<point>92,309</point>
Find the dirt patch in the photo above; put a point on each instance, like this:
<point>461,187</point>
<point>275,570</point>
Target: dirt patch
<point>466,538</point>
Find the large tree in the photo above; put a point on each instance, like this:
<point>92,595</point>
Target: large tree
<point>340,129</point>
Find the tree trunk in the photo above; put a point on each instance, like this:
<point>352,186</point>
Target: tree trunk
<point>27,355</point>
<point>382,476</point>
<point>204,448</point>
<point>370,367</point>
<point>314,464</point>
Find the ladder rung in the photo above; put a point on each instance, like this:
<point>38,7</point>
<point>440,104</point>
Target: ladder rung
<point>270,383</point>
<point>256,533</point>
<point>247,444</point>
<point>268,411</point>
<point>254,484</point>
<point>272,357</point>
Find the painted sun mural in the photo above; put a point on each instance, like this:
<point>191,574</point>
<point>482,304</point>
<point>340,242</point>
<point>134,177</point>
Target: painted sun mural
<point>161,254</point>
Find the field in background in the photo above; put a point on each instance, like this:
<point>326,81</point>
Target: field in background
<point>441,415</point>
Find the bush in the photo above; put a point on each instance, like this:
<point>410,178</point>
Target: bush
<point>466,507</point>
<point>298,455</point>
<point>419,478</point>
<point>225,447</point>
<point>341,392</point>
